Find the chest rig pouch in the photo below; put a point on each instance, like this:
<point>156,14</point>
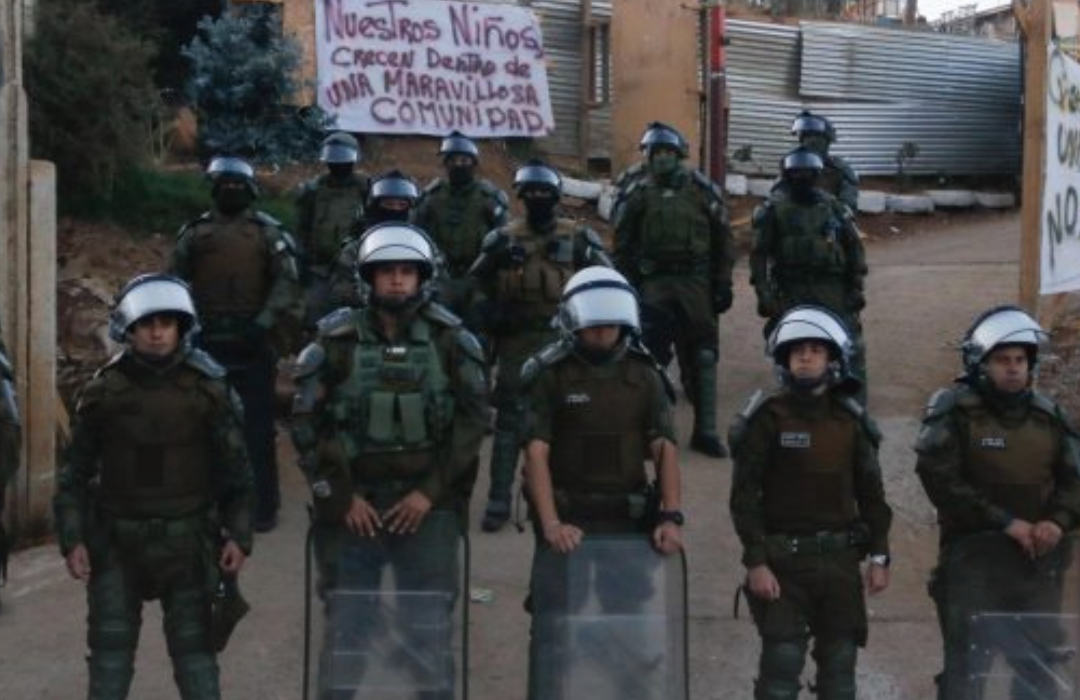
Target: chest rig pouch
<point>397,397</point>
<point>811,239</point>
<point>536,286</point>
<point>676,226</point>
<point>1012,462</point>
<point>809,484</point>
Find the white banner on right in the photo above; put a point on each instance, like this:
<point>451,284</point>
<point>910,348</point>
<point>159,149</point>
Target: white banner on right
<point>1060,266</point>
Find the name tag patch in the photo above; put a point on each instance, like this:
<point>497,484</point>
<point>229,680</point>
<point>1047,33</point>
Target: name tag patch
<point>992,443</point>
<point>576,399</point>
<point>797,441</point>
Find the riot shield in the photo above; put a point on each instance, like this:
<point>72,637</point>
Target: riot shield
<point>385,618</point>
<point>1009,621</point>
<point>609,622</point>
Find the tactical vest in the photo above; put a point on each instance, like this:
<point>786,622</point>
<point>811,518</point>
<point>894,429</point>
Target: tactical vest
<point>676,230</point>
<point>395,408</point>
<point>335,210</point>
<point>536,287</point>
<point>810,481</point>
<point>458,219</point>
<point>1013,465</point>
<point>230,266</point>
<point>598,441</point>
<point>155,451</point>
<point>809,247</point>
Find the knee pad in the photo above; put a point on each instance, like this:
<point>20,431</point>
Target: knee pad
<point>114,635</point>
<point>836,669</point>
<point>780,666</point>
<point>187,625</point>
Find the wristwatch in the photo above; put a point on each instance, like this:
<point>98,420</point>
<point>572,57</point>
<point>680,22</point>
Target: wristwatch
<point>882,560</point>
<point>671,516</point>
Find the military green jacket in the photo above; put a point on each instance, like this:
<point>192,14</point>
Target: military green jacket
<point>457,218</point>
<point>326,211</point>
<point>680,230</point>
<point>759,446</point>
<point>341,382</point>
<point>127,390</point>
<point>807,254</point>
<point>838,179</point>
<point>962,425</point>
<point>268,269</point>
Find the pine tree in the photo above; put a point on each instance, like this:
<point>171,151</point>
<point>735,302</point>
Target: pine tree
<point>243,75</point>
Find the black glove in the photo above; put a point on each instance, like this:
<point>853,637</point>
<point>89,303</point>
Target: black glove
<point>721,300</point>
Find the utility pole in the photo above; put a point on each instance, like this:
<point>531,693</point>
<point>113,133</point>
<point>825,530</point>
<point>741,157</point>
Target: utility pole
<point>1034,19</point>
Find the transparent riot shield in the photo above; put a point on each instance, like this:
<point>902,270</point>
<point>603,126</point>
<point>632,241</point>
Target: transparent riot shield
<point>1009,621</point>
<point>609,622</point>
<point>385,615</point>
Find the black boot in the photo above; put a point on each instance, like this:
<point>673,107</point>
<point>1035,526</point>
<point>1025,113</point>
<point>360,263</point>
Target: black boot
<point>705,438</point>
<point>504,460</point>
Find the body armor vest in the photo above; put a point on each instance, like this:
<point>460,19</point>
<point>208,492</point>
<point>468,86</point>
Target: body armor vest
<point>536,287</point>
<point>231,274</point>
<point>809,486</point>
<point>335,210</point>
<point>156,455</point>
<point>809,246</point>
<point>597,444</point>
<point>1012,463</point>
<point>676,229</point>
<point>458,220</point>
<point>396,407</point>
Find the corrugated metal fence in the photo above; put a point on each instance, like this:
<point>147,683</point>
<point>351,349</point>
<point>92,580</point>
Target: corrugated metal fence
<point>956,98</point>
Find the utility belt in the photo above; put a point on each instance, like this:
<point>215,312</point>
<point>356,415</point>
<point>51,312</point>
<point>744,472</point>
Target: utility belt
<point>147,529</point>
<point>825,542</point>
<point>808,273</point>
<point>693,266</point>
<point>638,506</point>
<point>386,492</point>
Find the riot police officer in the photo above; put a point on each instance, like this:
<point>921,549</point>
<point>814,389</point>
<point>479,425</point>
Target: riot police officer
<point>521,271</point>
<point>155,491</point>
<point>838,178</point>
<point>808,504</point>
<point>326,208</point>
<point>673,243</point>
<point>999,461</point>
<point>241,266</point>
<point>10,435</point>
<point>393,197</point>
<point>597,411</point>
<point>806,251</point>
<point>388,420</point>
<point>457,211</point>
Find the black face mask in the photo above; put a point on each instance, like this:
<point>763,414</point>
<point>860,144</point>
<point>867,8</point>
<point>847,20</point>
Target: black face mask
<point>540,210</point>
<point>340,172</point>
<point>802,184</point>
<point>459,175</point>
<point>231,201</point>
<point>378,215</point>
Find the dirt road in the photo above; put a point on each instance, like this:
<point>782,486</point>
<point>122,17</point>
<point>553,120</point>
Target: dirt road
<point>923,291</point>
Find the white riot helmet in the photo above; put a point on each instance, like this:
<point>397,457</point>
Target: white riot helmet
<point>804,323</point>
<point>598,296</point>
<point>394,242</point>
<point>1001,325</point>
<point>150,294</point>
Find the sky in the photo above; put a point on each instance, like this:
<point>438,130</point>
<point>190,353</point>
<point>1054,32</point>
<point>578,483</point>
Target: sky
<point>933,9</point>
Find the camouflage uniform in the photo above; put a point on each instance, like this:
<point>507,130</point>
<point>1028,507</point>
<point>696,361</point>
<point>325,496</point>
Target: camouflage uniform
<point>521,272</point>
<point>155,478</point>
<point>787,448</point>
<point>673,242</point>
<point>327,209</point>
<point>243,276</point>
<point>810,254</point>
<point>984,461</point>
<point>457,218</point>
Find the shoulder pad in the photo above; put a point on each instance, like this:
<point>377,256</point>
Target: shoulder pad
<point>758,399</point>
<point>434,186</point>
<point>942,402</point>
<point>437,313</point>
<point>310,186</point>
<point>6,370</point>
<point>310,359</point>
<point>702,181</point>
<point>591,237</point>
<point>762,212</point>
<point>337,323</point>
<point>205,364</point>
<point>264,219</point>
<point>1047,405</point>
<point>637,351</point>
<point>205,216</point>
<point>842,165</point>
<point>631,175</point>
<point>109,364</point>
<point>549,355</point>
<point>285,241</point>
<point>471,346</point>
<point>857,410</point>
<point>495,241</point>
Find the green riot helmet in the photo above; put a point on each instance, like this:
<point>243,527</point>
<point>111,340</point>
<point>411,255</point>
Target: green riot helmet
<point>156,293</point>
<point>340,148</point>
<point>659,134</point>
<point>394,242</point>
<point>811,323</point>
<point>997,327</point>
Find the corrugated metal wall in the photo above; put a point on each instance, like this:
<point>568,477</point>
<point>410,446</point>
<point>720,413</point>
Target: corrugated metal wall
<point>560,21</point>
<point>956,98</point>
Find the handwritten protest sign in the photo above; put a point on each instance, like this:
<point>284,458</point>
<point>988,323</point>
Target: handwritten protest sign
<point>430,67</point>
<point>1061,187</point>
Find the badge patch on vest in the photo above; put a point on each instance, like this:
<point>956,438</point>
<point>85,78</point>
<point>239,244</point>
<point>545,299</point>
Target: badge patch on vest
<point>795,441</point>
<point>992,443</point>
<point>576,399</point>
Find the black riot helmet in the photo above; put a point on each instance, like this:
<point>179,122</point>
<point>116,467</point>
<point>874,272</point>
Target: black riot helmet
<point>340,148</point>
<point>223,168</point>
<point>801,159</point>
<point>809,123</point>
<point>538,174</point>
<point>391,187</point>
<point>660,134</point>
<point>458,143</point>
